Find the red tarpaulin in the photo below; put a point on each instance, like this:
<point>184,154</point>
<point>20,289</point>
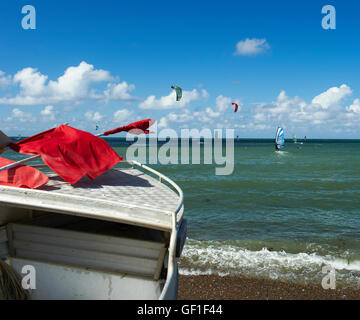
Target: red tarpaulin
<point>138,127</point>
<point>21,177</point>
<point>70,152</point>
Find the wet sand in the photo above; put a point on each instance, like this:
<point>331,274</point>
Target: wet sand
<point>211,287</point>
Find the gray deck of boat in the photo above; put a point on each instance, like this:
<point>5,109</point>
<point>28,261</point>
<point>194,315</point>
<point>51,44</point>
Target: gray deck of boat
<point>121,195</point>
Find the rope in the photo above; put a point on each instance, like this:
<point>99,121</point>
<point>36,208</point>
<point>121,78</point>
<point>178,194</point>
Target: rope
<point>10,284</point>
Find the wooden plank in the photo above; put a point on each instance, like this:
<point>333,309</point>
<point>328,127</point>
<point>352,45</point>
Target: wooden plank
<point>96,255</point>
<point>88,259</point>
<point>4,250</point>
<point>115,248</point>
<point>3,235</point>
<point>55,281</point>
<point>88,250</point>
<point>82,262</point>
<point>89,237</point>
<point>9,233</point>
<point>160,263</point>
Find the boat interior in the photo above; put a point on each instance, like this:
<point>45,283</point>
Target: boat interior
<point>83,258</point>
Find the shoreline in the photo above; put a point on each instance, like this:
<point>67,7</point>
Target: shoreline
<point>213,287</point>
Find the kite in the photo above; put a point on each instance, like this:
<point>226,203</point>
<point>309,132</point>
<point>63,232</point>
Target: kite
<point>236,107</point>
<point>178,91</point>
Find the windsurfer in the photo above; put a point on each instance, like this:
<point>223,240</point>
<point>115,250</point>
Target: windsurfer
<point>279,138</point>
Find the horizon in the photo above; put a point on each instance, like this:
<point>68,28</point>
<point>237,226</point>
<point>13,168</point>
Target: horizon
<point>120,69</point>
<point>235,139</point>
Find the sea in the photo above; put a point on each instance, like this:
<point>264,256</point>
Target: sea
<point>292,215</point>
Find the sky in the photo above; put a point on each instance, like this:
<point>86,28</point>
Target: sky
<point>109,63</point>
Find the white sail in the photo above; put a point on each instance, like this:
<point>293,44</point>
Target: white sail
<point>279,138</point>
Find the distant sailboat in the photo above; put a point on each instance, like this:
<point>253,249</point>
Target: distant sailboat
<point>279,139</point>
<point>294,138</point>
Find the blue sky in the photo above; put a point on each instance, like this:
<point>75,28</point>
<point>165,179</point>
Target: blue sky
<point>121,53</point>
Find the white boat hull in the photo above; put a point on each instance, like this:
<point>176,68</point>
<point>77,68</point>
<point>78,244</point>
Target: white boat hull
<point>89,253</point>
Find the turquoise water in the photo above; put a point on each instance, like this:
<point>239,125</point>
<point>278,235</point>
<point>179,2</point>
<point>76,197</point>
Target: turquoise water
<point>280,215</point>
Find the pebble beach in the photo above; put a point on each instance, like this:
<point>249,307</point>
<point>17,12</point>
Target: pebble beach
<point>212,287</point>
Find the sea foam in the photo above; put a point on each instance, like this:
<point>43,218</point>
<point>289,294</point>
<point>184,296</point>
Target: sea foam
<point>220,258</point>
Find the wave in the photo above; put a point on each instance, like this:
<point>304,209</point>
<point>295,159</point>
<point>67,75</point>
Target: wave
<point>228,258</point>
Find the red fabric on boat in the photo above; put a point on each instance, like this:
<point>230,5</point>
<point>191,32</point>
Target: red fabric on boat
<point>138,127</point>
<point>21,177</point>
<point>70,152</point>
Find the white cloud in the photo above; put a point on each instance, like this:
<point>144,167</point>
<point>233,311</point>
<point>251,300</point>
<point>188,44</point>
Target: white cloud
<point>31,82</point>
<point>72,86</point>
<point>208,116</point>
<point>19,115</point>
<point>185,116</point>
<point>211,113</point>
<point>222,104</point>
<point>355,107</point>
<point>118,91</point>
<point>93,116</point>
<point>4,79</point>
<point>163,123</point>
<point>285,110</point>
<point>48,113</point>
<point>169,101</point>
<point>122,115</point>
<point>325,112</point>
<point>249,47</point>
<point>332,96</point>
